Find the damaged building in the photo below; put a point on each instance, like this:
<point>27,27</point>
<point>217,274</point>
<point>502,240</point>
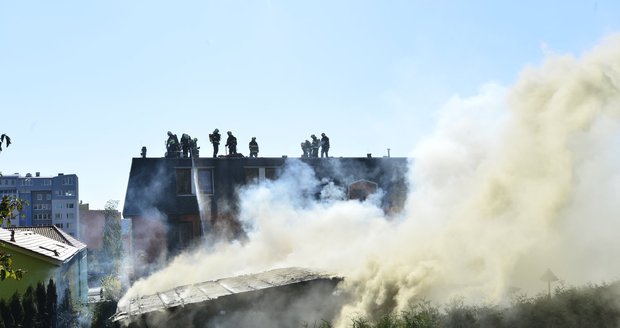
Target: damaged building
<point>285,297</point>
<point>174,202</point>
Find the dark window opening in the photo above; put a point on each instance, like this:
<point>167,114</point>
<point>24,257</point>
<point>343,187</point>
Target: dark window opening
<point>205,181</point>
<point>251,174</point>
<point>271,173</point>
<point>184,181</point>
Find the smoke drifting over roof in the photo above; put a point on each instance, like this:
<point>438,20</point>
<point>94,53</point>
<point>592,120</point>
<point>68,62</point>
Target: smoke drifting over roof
<point>513,181</point>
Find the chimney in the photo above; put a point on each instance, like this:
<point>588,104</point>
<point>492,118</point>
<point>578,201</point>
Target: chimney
<point>37,174</point>
<point>13,235</point>
<point>59,174</point>
<point>369,155</point>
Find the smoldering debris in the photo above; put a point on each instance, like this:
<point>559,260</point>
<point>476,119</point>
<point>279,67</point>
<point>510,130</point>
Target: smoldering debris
<point>276,298</point>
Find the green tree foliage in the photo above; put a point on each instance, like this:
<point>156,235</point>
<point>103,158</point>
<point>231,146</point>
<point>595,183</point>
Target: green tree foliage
<point>51,305</point>
<point>67,311</point>
<point>6,268</point>
<point>112,242</point>
<point>10,207</point>
<point>588,306</point>
<point>4,139</point>
<point>37,309</point>
<point>30,309</point>
<point>41,303</point>
<point>5,312</point>
<point>15,304</point>
<point>112,288</point>
<point>102,313</point>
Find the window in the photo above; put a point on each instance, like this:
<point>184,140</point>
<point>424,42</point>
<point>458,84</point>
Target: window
<point>69,192</point>
<point>39,197</point>
<point>68,181</point>
<point>58,206</point>
<point>48,196</point>
<point>69,215</point>
<point>47,182</point>
<point>361,189</point>
<point>40,216</point>
<point>251,174</point>
<point>184,181</point>
<point>70,205</point>
<point>205,181</point>
<point>271,173</point>
<point>58,192</point>
<point>58,216</point>
<point>27,182</point>
<point>67,225</point>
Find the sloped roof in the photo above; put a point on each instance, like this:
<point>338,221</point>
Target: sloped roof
<point>29,241</point>
<point>212,290</point>
<point>55,233</point>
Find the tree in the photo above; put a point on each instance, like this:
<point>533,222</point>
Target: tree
<point>51,304</point>
<point>67,312</point>
<point>9,208</point>
<point>5,313</point>
<point>41,300</point>
<point>30,309</point>
<point>4,139</point>
<point>102,313</point>
<point>112,242</point>
<point>15,304</point>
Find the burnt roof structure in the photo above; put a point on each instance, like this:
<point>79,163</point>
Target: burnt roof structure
<point>235,300</point>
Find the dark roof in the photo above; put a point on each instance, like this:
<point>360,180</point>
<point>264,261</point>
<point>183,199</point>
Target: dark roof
<point>209,292</point>
<point>54,233</point>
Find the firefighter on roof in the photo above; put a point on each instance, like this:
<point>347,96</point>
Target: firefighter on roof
<point>324,145</point>
<point>215,140</point>
<point>172,145</point>
<point>231,143</point>
<point>253,147</point>
<point>315,146</point>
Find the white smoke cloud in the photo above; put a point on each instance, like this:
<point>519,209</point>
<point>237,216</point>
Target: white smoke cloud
<point>514,181</point>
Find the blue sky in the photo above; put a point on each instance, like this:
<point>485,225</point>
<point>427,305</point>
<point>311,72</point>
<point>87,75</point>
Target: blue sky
<point>84,85</point>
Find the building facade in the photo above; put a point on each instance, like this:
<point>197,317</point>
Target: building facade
<point>172,202</point>
<point>49,200</point>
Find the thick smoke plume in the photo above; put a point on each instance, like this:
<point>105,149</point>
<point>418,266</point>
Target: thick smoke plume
<point>513,181</point>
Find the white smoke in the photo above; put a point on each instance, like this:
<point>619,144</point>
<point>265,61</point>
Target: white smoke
<point>514,181</point>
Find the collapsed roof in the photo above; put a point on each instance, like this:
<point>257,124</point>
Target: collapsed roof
<point>211,300</point>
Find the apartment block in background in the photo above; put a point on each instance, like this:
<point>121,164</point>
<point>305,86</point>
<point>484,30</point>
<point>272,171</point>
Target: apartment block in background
<point>50,200</point>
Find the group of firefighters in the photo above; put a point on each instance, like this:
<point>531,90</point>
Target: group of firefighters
<point>188,147</point>
<point>311,149</point>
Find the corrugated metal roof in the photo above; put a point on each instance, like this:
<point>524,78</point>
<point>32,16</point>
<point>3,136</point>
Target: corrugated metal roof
<point>212,290</point>
<point>42,245</point>
<point>55,233</point>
